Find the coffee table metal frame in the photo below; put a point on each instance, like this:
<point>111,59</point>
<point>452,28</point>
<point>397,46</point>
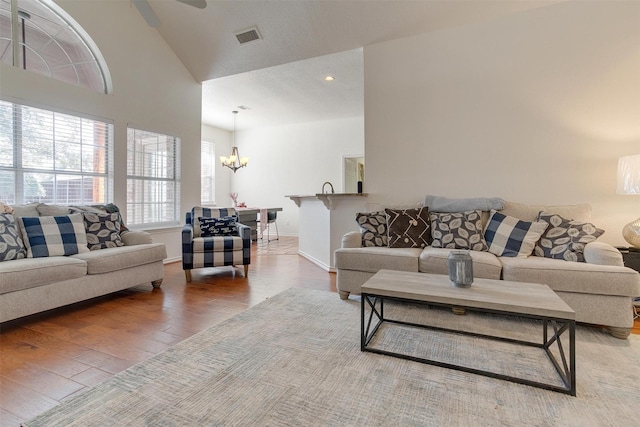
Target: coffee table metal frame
<point>566,367</point>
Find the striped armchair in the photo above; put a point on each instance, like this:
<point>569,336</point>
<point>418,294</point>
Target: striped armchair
<point>213,251</point>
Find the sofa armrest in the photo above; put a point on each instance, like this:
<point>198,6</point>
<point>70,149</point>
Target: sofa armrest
<point>602,254</point>
<point>135,237</point>
<point>352,239</point>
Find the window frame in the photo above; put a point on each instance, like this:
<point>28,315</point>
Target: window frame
<point>138,199</point>
<point>19,170</point>
<point>211,159</point>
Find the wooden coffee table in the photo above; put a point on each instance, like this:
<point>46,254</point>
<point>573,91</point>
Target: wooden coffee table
<point>527,300</point>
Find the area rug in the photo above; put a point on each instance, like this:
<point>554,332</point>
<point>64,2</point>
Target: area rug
<point>295,360</point>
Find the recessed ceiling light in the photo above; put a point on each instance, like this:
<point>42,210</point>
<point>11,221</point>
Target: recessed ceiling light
<point>329,79</point>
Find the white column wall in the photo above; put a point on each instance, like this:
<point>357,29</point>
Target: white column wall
<point>534,108</point>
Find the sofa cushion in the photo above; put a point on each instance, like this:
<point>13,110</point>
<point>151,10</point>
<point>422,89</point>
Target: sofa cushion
<point>373,227</point>
<point>113,259</point>
<point>32,272</point>
<point>408,228</point>
<point>217,244</point>
<point>565,238</point>
<point>569,276</point>
<point>374,259</point>
<point>510,236</point>
<point>580,212</point>
<point>435,261</point>
<point>30,209</point>
<point>457,230</point>
<point>53,210</point>
<point>53,235</point>
<point>103,230</point>
<point>11,244</point>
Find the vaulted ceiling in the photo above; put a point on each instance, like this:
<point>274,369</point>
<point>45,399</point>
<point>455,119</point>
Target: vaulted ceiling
<point>280,77</point>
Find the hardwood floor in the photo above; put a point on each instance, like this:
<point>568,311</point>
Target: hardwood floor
<point>46,358</point>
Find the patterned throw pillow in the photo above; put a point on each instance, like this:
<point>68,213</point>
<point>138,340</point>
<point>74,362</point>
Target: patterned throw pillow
<point>408,228</point>
<point>103,230</point>
<point>373,227</point>
<point>511,237</point>
<point>54,235</point>
<point>223,226</point>
<point>11,245</point>
<point>565,238</point>
<point>457,230</point>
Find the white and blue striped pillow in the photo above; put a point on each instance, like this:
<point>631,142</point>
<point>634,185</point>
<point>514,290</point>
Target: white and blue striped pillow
<point>511,237</point>
<point>54,235</point>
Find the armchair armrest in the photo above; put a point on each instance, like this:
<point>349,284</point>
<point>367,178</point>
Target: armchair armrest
<point>602,254</point>
<point>352,239</point>
<point>187,234</point>
<point>135,237</point>
<point>244,231</point>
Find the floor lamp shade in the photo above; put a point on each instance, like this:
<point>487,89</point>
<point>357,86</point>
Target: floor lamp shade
<point>629,184</point>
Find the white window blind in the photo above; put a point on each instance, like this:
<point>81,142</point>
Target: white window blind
<point>207,170</point>
<point>51,157</point>
<point>153,178</point>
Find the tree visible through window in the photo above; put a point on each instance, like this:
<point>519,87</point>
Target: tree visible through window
<point>50,157</point>
<point>153,178</point>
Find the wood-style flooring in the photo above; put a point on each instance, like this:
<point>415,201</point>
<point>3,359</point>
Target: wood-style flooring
<point>46,358</point>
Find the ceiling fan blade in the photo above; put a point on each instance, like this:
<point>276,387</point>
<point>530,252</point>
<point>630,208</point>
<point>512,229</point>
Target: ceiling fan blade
<point>200,4</point>
<point>147,13</point>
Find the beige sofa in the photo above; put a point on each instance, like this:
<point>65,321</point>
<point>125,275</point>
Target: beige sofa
<point>33,285</point>
<point>600,290</point>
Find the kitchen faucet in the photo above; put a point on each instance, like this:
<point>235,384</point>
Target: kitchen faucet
<point>330,185</point>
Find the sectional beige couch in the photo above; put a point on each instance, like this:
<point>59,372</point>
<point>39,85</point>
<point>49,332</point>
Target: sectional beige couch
<point>33,285</point>
<point>600,290</point>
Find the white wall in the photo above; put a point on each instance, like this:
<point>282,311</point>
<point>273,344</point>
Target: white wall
<point>533,108</point>
<point>152,91</point>
<point>222,140</point>
<point>294,159</point>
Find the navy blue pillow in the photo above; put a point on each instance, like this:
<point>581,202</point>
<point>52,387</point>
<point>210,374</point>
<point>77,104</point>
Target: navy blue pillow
<point>223,226</point>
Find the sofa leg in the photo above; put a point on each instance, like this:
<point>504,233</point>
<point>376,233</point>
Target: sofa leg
<point>246,270</point>
<point>621,333</point>
<point>458,310</point>
<point>344,295</point>
<point>187,274</point>
<point>156,284</point>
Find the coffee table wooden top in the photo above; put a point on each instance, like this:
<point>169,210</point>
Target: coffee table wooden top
<point>512,297</point>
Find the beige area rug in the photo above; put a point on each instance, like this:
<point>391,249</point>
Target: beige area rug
<point>295,360</point>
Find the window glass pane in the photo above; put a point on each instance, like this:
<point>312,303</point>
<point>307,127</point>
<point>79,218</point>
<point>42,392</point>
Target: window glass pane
<point>79,146</point>
<point>207,170</point>
<point>8,187</point>
<point>152,178</point>
<point>54,45</point>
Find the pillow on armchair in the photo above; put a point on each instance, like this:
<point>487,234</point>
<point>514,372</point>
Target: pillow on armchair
<point>223,226</point>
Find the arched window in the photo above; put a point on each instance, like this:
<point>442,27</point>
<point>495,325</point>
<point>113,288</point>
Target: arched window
<point>38,36</point>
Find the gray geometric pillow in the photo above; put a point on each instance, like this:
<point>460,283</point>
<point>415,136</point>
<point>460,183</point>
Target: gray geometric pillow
<point>565,238</point>
<point>11,244</point>
<point>373,227</point>
<point>459,230</point>
<point>103,230</point>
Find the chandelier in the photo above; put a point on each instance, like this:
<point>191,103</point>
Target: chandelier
<point>234,161</point>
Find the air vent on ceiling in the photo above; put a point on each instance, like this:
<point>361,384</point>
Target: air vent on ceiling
<point>249,35</point>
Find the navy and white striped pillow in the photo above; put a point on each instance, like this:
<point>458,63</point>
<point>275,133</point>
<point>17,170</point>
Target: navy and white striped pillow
<point>54,235</point>
<point>510,237</point>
